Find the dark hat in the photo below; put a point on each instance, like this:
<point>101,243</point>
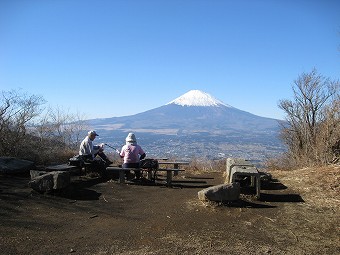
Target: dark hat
<point>92,132</point>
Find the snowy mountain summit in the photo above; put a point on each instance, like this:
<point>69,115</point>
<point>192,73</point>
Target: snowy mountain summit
<point>197,98</point>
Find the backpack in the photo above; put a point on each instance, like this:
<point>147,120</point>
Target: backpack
<point>77,160</point>
<point>149,164</point>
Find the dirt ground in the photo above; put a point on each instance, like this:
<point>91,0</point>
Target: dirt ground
<point>298,213</point>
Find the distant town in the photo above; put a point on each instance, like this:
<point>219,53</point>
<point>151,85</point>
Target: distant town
<point>189,147</point>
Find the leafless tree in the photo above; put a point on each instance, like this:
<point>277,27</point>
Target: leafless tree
<point>312,106</point>
<point>28,131</point>
<point>17,109</point>
<point>328,135</point>
<point>61,125</point>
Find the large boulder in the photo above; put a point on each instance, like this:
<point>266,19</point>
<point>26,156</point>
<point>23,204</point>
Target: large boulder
<point>221,193</point>
<point>10,165</point>
<point>55,180</point>
<point>36,173</point>
<point>61,179</point>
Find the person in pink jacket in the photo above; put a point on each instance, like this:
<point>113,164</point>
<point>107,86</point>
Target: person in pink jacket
<point>132,153</point>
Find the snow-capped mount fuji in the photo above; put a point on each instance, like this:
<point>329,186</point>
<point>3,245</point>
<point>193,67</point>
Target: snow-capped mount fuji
<point>195,118</point>
<point>197,98</point>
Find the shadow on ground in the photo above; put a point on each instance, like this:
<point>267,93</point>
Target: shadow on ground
<point>80,190</point>
<point>273,185</point>
<point>291,198</point>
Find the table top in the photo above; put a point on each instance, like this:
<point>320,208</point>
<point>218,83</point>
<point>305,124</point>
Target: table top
<point>249,170</point>
<point>173,162</point>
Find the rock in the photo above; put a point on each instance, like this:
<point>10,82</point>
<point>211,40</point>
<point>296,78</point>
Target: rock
<point>10,165</point>
<point>55,180</point>
<point>42,183</point>
<point>61,179</point>
<point>221,193</point>
<point>35,173</point>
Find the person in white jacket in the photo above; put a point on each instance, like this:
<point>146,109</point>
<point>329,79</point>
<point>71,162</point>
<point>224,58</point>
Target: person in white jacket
<point>90,151</point>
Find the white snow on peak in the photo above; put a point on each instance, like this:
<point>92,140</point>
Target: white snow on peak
<point>197,98</point>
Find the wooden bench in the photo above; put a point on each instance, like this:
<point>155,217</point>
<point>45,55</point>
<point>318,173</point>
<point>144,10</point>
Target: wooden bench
<point>169,174</point>
<point>122,171</point>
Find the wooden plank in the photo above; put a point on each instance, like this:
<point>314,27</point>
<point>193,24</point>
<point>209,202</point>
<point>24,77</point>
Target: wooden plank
<point>175,163</point>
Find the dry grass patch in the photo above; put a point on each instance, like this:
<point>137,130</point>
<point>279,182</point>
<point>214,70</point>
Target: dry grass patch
<point>318,185</point>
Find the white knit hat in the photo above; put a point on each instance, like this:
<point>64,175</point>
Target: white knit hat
<point>131,138</point>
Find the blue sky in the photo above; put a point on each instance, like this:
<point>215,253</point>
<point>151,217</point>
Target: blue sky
<point>113,58</point>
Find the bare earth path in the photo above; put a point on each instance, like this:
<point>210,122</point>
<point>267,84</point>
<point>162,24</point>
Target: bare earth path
<point>96,217</point>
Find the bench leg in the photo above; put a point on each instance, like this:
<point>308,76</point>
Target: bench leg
<point>231,178</point>
<point>121,176</point>
<point>252,181</point>
<point>168,178</point>
<point>258,187</point>
<point>150,175</point>
<point>176,166</point>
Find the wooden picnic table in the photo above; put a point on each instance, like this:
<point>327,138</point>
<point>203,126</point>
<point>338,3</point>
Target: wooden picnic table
<point>252,172</point>
<point>175,163</point>
<point>122,171</point>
